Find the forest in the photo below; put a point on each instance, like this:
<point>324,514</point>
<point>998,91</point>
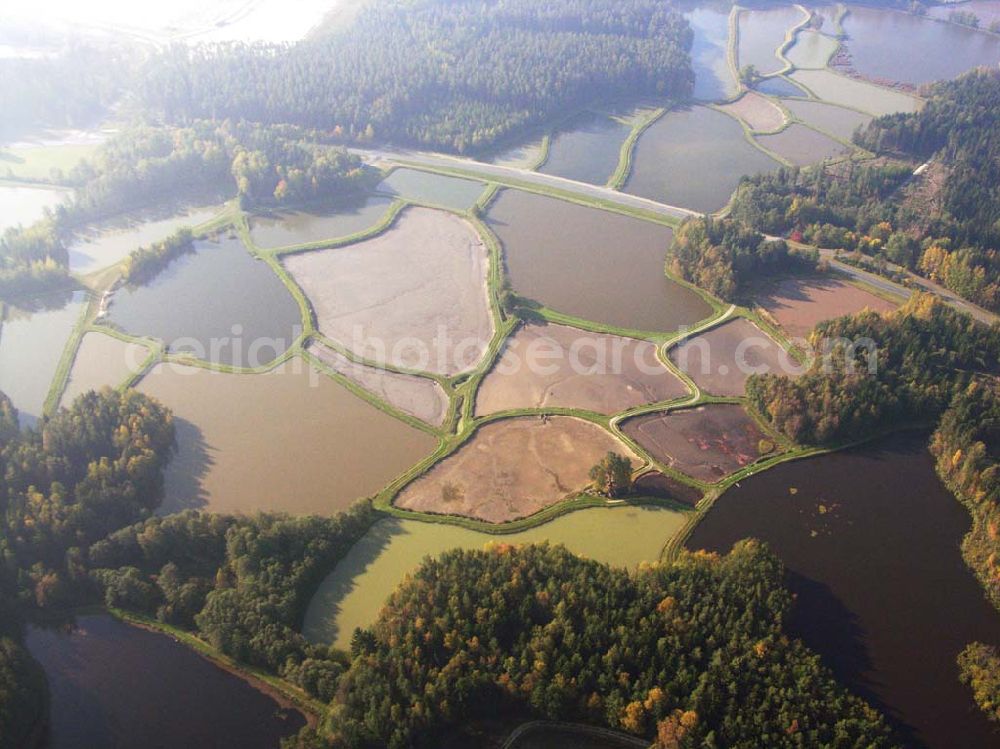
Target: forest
<point>145,167</point>
<point>725,257</point>
<point>922,355</point>
<point>944,225</point>
<point>451,74</point>
<point>690,654</point>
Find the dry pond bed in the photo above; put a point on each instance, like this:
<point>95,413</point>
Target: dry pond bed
<point>414,297</point>
<point>708,442</point>
<point>798,304</point>
<point>556,366</point>
<point>513,468</point>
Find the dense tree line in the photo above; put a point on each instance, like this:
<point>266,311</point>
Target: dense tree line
<point>691,653</point>
<point>724,256</point>
<point>146,166</point>
<point>944,225</point>
<point>454,74</point>
<point>23,690</point>
<point>979,666</point>
<point>243,584</point>
<point>922,355</point>
<point>967,446</point>
<point>88,470</point>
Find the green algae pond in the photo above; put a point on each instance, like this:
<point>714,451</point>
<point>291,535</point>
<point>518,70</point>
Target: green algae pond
<point>352,595</point>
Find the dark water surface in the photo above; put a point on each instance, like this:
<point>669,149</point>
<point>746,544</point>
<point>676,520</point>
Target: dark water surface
<point>871,541</point>
<point>113,685</point>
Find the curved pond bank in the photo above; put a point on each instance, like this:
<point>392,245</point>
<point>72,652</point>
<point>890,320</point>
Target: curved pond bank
<point>353,594</point>
<point>114,685</point>
<point>871,541</point>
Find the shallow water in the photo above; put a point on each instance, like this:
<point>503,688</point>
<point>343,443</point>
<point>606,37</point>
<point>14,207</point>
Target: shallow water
<point>590,263</point>
<point>291,440</point>
<point>31,345</point>
<point>762,31</point>
<point>903,47</point>
<point>694,158</point>
<point>26,205</point>
<point>883,593</point>
<point>217,303</point>
<point>835,120</point>
<point>811,49</point>
<point>302,227</point>
<point>114,244</point>
<point>713,80</point>
<point>802,145</point>
<point>114,685</point>
<point>435,189</point>
<point>352,595</point>
<point>587,149</point>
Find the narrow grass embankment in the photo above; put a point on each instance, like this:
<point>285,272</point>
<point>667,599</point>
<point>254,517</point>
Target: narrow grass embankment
<point>620,177</point>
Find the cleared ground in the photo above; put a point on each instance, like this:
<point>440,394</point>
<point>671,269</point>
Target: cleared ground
<point>756,111</point>
<point>414,297</point>
<point>102,360</point>
<point>417,396</point>
<point>721,360</point>
<point>557,366</point>
<point>513,468</point>
<point>798,304</point>
<point>292,440</point>
<point>708,442</point>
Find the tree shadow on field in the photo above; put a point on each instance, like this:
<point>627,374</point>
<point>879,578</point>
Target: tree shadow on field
<point>187,469</point>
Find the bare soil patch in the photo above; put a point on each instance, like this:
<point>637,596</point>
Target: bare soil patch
<point>513,468</point>
<point>557,366</point>
<point>798,304</point>
<point>417,396</point>
<point>721,359</point>
<point>414,297</point>
<point>708,442</point>
<point>755,110</point>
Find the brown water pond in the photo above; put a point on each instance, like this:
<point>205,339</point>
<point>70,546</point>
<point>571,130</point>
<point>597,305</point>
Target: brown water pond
<point>114,685</point>
<point>590,263</point>
<point>871,541</point>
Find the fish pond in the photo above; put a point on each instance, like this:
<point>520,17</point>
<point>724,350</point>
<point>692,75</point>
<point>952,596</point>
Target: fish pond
<point>291,440</point>
<point>895,46</point>
<point>871,540</point>
<point>435,189</point>
<point>590,263</point>
<point>587,149</point>
<point>31,346</point>
<point>217,303</point>
<point>761,32</point>
<point>113,243</point>
<point>713,79</point>
<point>353,594</point>
<point>694,158</point>
<point>303,227</point>
<point>114,685</point>
<point>24,205</point>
